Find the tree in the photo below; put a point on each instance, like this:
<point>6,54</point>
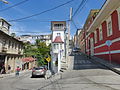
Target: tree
<point>39,50</point>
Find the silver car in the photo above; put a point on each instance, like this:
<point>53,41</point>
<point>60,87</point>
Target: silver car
<point>39,71</point>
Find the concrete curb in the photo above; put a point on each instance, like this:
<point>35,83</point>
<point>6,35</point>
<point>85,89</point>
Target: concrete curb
<point>11,74</point>
<point>56,77</point>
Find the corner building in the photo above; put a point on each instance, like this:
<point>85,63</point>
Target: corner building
<point>105,25</point>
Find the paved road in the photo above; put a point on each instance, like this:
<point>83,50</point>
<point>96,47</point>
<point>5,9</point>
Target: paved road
<point>82,75</point>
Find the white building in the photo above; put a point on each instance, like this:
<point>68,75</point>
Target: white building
<point>11,49</point>
<point>58,45</point>
<point>32,38</point>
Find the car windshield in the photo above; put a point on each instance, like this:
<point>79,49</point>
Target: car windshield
<point>39,68</point>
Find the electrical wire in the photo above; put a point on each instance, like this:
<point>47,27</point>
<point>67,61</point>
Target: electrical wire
<point>74,24</point>
<point>82,2</point>
<point>31,32</point>
<point>41,12</point>
<point>2,10</point>
<point>81,6</point>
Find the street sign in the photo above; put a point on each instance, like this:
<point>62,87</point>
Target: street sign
<point>48,59</point>
<point>108,42</point>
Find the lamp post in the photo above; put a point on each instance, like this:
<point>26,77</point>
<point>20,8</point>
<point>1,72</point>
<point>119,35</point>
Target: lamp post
<point>4,1</point>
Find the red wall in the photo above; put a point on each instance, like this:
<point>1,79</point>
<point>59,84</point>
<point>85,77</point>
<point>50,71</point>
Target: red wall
<point>114,46</point>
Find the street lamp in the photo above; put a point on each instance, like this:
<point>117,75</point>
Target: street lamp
<point>4,1</point>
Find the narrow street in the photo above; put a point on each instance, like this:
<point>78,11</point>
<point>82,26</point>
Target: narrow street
<point>84,76</point>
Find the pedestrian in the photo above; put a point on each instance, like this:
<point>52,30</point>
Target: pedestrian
<point>17,70</point>
<point>9,69</point>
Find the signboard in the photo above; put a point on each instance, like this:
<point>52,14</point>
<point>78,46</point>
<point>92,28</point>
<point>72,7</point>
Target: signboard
<point>48,59</point>
<point>108,42</point>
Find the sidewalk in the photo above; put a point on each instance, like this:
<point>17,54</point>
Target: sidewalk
<point>112,66</point>
<point>11,74</point>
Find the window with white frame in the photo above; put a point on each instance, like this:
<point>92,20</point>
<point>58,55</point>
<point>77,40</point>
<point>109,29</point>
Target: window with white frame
<point>58,26</point>
<point>58,34</point>
<point>100,33</point>
<point>57,46</point>
<point>6,25</point>
<point>54,46</point>
<point>109,27</point>
<point>60,46</point>
<point>118,10</point>
<point>0,23</point>
<point>95,36</point>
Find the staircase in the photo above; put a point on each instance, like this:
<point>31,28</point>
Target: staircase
<point>64,65</point>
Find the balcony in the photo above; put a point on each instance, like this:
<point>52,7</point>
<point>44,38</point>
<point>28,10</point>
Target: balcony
<point>4,49</point>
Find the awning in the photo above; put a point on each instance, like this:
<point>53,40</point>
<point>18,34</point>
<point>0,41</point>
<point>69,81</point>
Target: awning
<point>28,59</point>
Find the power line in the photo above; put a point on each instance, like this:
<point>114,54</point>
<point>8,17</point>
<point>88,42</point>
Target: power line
<point>28,32</point>
<point>81,5</point>
<point>74,24</point>
<point>13,5</point>
<point>41,12</point>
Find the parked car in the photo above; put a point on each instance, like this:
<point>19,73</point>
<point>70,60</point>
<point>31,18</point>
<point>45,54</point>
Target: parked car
<point>39,71</point>
<point>75,50</point>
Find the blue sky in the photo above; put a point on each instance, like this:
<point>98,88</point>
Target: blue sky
<point>34,24</point>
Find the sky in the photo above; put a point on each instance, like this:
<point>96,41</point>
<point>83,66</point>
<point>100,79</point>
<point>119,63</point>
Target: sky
<point>40,24</point>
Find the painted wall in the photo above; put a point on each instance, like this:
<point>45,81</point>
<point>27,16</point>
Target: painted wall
<point>100,48</point>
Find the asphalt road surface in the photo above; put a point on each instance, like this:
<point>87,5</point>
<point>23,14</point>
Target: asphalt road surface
<point>82,75</point>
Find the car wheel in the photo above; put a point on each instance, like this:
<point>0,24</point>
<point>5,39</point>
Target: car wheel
<point>33,76</point>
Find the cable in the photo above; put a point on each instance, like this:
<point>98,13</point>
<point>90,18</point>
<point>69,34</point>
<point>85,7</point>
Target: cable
<point>80,6</point>
<point>2,10</point>
<point>29,32</point>
<point>41,12</point>
<point>74,24</point>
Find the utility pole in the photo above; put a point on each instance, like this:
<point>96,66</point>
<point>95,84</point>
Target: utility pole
<point>4,1</point>
<point>68,38</point>
<point>69,23</point>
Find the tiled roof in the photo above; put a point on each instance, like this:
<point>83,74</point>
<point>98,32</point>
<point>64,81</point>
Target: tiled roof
<point>58,40</point>
<point>28,59</point>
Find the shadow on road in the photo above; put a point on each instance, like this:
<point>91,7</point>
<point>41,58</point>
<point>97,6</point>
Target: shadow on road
<point>37,77</point>
<point>83,62</point>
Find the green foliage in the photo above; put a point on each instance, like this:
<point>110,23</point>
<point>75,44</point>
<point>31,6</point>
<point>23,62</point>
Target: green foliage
<point>40,51</point>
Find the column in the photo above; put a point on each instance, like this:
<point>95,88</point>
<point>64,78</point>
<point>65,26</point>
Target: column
<point>6,63</point>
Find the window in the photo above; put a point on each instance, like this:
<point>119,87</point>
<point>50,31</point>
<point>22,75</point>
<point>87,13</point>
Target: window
<point>57,46</point>
<point>9,43</point>
<point>100,33</point>
<point>54,46</point>
<point>60,46</point>
<point>58,26</point>
<point>0,23</point>
<point>58,34</point>
<point>109,26</point>
<point>118,10</point>
<point>95,36</point>
<point>6,25</point>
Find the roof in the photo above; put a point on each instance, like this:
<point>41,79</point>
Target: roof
<point>58,40</point>
<point>28,59</point>
<point>4,21</point>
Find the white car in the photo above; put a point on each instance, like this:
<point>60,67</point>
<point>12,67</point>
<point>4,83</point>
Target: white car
<point>39,71</point>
